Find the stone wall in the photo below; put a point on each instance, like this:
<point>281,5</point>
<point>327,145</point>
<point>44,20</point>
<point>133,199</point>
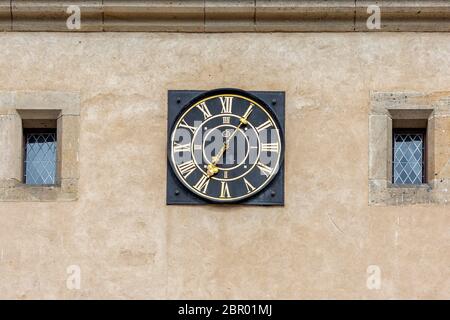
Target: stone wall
<point>129,244</point>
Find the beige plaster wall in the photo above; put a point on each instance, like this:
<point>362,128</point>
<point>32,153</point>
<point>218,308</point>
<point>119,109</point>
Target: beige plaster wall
<point>129,244</point>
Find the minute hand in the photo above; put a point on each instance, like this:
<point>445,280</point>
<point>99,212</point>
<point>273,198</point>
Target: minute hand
<point>242,121</point>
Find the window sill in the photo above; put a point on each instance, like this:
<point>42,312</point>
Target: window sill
<point>387,194</point>
<point>410,186</point>
<point>19,192</point>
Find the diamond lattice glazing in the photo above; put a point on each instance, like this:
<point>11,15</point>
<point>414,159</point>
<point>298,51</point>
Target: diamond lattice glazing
<point>40,163</point>
<point>408,158</point>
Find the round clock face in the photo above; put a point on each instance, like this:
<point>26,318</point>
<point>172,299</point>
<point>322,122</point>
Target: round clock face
<point>226,147</point>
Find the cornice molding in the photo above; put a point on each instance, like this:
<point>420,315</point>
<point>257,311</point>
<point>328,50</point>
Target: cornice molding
<point>226,15</point>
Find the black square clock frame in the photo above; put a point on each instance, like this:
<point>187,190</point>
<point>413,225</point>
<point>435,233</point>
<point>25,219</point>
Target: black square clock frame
<point>178,194</point>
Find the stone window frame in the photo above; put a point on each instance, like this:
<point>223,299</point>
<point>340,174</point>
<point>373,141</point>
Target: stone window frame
<point>16,106</point>
<point>387,107</point>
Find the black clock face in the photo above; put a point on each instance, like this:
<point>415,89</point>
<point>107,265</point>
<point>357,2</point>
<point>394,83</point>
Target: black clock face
<point>226,147</point>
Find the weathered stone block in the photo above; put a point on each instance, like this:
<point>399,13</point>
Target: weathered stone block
<point>379,147</point>
<point>68,145</point>
<point>10,148</point>
<point>442,149</point>
<point>229,16</point>
<point>5,15</point>
<point>67,102</point>
<point>160,15</point>
<point>69,186</point>
<point>297,16</point>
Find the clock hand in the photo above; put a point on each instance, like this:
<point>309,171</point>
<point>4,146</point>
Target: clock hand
<point>212,168</point>
<point>242,121</point>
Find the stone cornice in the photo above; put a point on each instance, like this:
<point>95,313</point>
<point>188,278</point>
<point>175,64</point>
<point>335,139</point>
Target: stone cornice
<point>225,15</point>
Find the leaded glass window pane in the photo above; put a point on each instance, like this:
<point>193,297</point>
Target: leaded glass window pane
<point>40,158</point>
<point>408,158</point>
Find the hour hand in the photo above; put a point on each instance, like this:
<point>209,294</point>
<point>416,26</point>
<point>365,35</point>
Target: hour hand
<point>219,155</point>
<point>244,118</point>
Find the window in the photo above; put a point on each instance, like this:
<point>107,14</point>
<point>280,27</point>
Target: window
<point>408,157</point>
<point>40,156</point>
<point>39,145</point>
<point>408,148</point>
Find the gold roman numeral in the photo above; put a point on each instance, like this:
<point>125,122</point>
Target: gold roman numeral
<point>202,184</point>
<point>185,125</point>
<point>264,126</point>
<point>182,147</point>
<point>226,120</point>
<point>249,186</point>
<point>270,147</point>
<point>204,109</point>
<point>227,104</point>
<point>224,191</point>
<point>186,168</point>
<point>265,170</point>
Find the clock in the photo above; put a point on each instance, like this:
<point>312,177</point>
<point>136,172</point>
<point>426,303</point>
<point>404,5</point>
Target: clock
<point>225,146</point>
